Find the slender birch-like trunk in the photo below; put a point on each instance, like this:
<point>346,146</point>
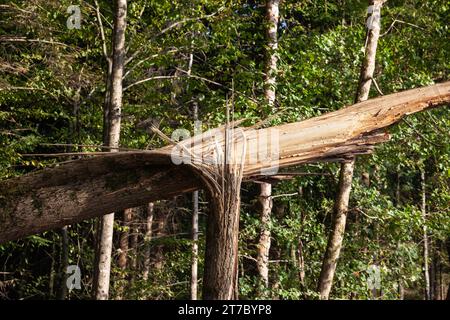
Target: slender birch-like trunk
<point>265,200</point>
<point>426,267</point>
<point>339,217</point>
<point>194,265</point>
<point>147,239</point>
<point>113,135</point>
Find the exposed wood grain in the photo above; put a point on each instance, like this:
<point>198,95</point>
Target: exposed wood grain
<point>90,187</point>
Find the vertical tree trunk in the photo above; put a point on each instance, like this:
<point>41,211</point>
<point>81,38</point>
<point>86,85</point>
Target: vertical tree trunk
<point>301,262</point>
<point>134,239</point>
<point>194,265</point>
<point>401,289</point>
<point>426,267</point>
<point>123,250</point>
<point>337,231</point>
<point>262,259</point>
<point>64,263</point>
<point>272,17</point>
<point>346,175</point>
<point>221,256</point>
<point>223,183</point>
<point>113,136</point>
<point>161,223</point>
<point>147,239</point>
<point>124,240</point>
<point>51,282</point>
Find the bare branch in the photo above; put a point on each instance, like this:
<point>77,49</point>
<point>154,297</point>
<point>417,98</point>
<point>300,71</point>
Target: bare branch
<point>402,22</point>
<point>102,32</point>
<point>149,79</point>
<point>23,39</point>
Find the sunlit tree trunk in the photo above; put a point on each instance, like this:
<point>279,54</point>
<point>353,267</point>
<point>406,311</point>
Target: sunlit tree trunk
<point>426,255</point>
<point>339,216</point>
<point>113,135</point>
<point>147,239</point>
<point>194,231</point>
<point>265,200</point>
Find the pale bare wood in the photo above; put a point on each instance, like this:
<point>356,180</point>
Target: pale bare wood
<point>86,188</point>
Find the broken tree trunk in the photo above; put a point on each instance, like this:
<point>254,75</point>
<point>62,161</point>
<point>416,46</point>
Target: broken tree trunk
<point>73,191</point>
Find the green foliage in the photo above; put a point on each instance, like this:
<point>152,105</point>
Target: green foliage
<point>54,92</point>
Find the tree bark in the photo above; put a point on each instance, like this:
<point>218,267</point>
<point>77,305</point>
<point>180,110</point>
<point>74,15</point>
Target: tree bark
<point>262,260</point>
<point>123,249</point>
<point>161,224</point>
<point>339,219</point>
<point>113,134</point>
<point>270,80</point>
<point>426,267</point>
<point>194,266</point>
<point>124,239</point>
<point>107,182</point>
<point>346,176</point>
<point>62,292</point>
<point>147,239</point>
<point>221,255</point>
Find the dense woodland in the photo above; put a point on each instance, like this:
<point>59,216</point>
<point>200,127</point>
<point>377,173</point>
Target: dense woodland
<point>81,78</point>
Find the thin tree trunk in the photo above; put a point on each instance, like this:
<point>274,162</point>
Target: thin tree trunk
<point>401,289</point>
<point>161,224</point>
<point>123,250</point>
<point>194,265</point>
<point>51,284</point>
<point>147,239</point>
<point>134,239</point>
<point>337,231</point>
<point>124,239</point>
<point>346,175</point>
<point>262,260</point>
<point>113,136</point>
<point>272,17</point>
<point>301,262</point>
<point>426,267</point>
<point>62,292</point>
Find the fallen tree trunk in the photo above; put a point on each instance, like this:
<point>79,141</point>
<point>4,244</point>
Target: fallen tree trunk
<point>82,189</point>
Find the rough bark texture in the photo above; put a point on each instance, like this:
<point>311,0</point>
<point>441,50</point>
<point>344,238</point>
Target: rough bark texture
<point>103,267</point>
<point>62,292</point>
<point>426,267</point>
<point>161,219</point>
<point>147,239</point>
<point>223,184</point>
<point>124,239</point>
<point>194,266</point>
<point>221,255</point>
<point>270,80</point>
<point>337,231</point>
<point>262,260</point>
<point>345,182</point>
<point>82,189</point>
<point>123,248</point>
